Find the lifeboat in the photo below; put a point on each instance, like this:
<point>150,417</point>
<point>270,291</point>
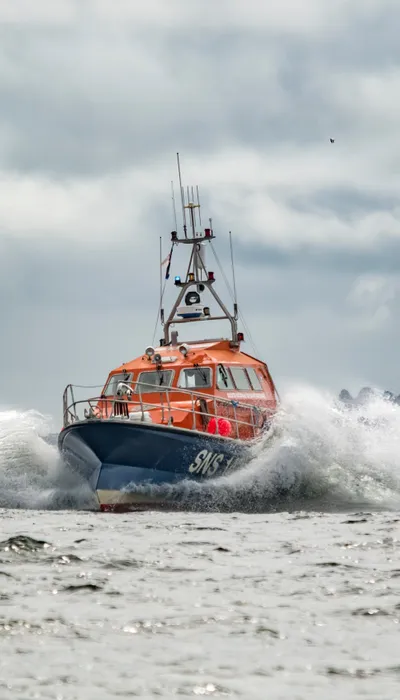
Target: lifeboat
<point>191,410</point>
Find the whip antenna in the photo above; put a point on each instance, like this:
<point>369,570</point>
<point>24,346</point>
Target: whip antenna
<point>182,195</point>
<point>173,205</point>
<point>235,305</point>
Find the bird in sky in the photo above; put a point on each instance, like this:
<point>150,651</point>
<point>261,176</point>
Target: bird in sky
<point>332,140</point>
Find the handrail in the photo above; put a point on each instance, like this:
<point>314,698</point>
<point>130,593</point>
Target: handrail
<point>70,404</point>
<point>108,415</point>
<point>168,389</point>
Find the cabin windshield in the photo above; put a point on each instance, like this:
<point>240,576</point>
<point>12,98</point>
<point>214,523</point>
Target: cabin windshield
<point>195,378</point>
<point>112,385</point>
<point>240,378</point>
<point>149,382</point>
<point>254,378</point>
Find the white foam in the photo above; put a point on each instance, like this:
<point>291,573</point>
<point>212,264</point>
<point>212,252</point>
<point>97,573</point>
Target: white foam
<point>321,457</point>
<point>32,474</point>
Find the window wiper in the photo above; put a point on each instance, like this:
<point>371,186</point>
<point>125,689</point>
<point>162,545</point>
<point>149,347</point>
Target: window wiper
<point>202,372</point>
<point>224,375</point>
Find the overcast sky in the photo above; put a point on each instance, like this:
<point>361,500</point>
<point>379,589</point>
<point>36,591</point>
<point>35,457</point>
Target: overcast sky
<point>96,98</point>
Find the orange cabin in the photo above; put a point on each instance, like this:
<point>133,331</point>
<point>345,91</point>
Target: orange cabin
<point>207,386</point>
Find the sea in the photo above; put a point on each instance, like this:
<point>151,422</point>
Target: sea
<point>280,581</point>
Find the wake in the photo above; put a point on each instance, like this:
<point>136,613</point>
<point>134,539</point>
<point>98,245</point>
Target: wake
<point>322,457</point>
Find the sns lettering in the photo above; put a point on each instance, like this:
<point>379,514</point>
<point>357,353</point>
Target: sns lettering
<point>208,463</point>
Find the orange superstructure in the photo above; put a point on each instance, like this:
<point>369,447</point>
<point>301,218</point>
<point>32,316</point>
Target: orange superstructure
<point>206,379</point>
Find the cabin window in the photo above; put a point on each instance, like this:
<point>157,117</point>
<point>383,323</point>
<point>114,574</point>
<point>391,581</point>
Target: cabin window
<point>240,378</point>
<point>254,378</point>
<point>195,378</point>
<point>112,386</point>
<point>224,379</point>
<point>149,382</point>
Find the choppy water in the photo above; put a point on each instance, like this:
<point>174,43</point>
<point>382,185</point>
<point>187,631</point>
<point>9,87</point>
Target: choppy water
<point>284,584</point>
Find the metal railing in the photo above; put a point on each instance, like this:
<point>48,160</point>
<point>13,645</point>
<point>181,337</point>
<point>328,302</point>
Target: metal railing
<point>248,420</point>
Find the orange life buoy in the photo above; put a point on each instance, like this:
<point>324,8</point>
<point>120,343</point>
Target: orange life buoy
<point>224,427</point>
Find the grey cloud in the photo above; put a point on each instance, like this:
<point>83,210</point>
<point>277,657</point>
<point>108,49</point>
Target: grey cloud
<point>351,202</point>
<point>71,276</point>
<point>382,259</point>
<point>85,101</point>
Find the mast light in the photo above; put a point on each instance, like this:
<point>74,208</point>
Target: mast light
<point>177,280</point>
<point>211,277</point>
<point>207,232</point>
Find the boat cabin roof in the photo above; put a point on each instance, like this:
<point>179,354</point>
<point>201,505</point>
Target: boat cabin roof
<point>202,353</point>
<point>192,366</point>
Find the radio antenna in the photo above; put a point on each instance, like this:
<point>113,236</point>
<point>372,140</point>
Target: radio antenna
<point>194,211</point>
<point>161,282</point>
<point>173,205</point>
<point>198,203</point>
<point>182,196</point>
<point>233,276</point>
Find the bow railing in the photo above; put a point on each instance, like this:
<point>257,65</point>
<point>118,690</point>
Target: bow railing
<point>172,405</point>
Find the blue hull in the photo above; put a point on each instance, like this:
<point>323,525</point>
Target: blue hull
<point>117,458</point>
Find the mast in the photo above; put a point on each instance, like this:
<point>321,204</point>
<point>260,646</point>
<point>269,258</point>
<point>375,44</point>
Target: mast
<point>188,307</point>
